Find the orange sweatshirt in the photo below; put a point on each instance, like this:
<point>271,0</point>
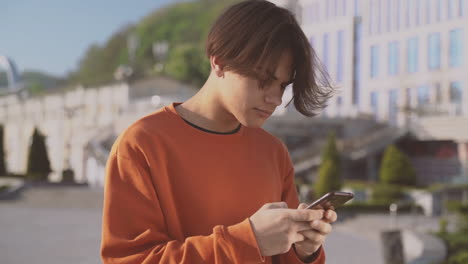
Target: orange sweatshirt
<point>177,194</point>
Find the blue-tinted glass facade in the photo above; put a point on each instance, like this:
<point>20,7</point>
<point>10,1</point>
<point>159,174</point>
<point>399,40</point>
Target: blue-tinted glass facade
<point>417,9</point>
<point>450,8</point>
<point>456,96</point>
<point>439,10</point>
<point>374,101</point>
<point>408,97</point>
<point>356,8</point>
<point>461,9</point>
<point>325,51</point>
<point>428,11</point>
<point>423,95</point>
<point>393,58</point>
<point>393,106</point>
<point>340,57</point>
<point>412,55</point>
<point>389,15</point>
<point>408,13</point>
<point>398,10</point>
<point>357,63</point>
<point>374,63</point>
<point>434,51</point>
<point>456,48</point>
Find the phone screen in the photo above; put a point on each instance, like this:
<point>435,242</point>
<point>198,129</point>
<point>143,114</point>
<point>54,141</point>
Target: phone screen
<point>331,200</point>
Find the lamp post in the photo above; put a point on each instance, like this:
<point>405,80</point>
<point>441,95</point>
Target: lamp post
<point>160,51</point>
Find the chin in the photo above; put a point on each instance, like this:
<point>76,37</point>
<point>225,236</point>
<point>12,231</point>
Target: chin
<point>253,123</point>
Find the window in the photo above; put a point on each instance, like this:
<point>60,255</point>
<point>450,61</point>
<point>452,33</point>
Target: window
<point>374,61</point>
<point>317,12</point>
<point>438,93</point>
<point>456,48</point>
<point>408,13</point>
<point>357,64</point>
<point>428,11</point>
<point>408,97</point>
<point>434,51</point>
<point>412,55</point>
<point>371,17</point>
<point>417,10</point>
<point>312,41</point>
<point>340,62</point>
<point>456,92</point>
<point>450,8</point>
<point>374,100</point>
<point>393,106</point>
<point>389,15</point>
<point>393,58</point>
<point>398,9</point>
<point>423,95</point>
<point>325,51</point>
<point>461,8</point>
<point>356,8</point>
<point>339,101</point>
<point>335,8</point>
<point>343,7</point>
<point>439,10</point>
<point>456,95</point>
<point>379,16</point>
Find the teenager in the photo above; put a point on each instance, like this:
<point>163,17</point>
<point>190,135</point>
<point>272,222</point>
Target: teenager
<point>201,181</point>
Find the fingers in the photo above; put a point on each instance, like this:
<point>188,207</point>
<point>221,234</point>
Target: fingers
<point>313,236</point>
<point>298,237</point>
<point>302,206</point>
<point>301,226</point>
<point>321,227</point>
<point>330,216</point>
<point>305,215</point>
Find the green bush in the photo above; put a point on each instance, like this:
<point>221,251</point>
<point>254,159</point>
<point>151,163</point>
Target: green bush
<point>38,159</point>
<point>3,188</point>
<point>329,173</point>
<point>396,168</point>
<point>3,171</point>
<point>68,175</point>
<point>386,193</point>
<point>459,258</point>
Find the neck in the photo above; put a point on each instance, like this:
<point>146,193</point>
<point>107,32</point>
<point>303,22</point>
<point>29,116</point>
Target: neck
<point>205,109</point>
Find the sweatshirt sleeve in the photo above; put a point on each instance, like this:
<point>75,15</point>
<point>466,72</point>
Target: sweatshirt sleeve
<point>290,196</point>
<point>134,229</point>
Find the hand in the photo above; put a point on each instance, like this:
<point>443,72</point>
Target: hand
<point>276,227</point>
<point>314,238</point>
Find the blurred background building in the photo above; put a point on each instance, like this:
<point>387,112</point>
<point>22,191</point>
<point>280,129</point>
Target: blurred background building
<point>400,62</point>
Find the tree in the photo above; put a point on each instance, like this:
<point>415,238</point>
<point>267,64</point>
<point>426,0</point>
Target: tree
<point>396,168</point>
<point>38,159</point>
<point>329,173</point>
<point>3,171</point>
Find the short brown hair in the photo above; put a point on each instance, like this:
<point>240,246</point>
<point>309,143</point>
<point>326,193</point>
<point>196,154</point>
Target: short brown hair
<point>255,33</point>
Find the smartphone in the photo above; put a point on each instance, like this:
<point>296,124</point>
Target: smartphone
<point>331,200</point>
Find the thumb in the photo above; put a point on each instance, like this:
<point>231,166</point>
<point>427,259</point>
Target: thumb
<point>275,205</point>
<point>302,206</point>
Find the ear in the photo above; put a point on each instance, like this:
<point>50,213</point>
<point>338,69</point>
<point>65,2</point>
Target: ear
<point>216,67</point>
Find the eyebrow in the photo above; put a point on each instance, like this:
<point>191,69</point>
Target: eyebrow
<point>273,76</point>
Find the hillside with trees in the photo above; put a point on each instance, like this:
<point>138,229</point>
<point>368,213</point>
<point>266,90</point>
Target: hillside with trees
<point>183,26</point>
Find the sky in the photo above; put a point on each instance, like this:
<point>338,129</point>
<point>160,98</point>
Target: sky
<point>52,35</point>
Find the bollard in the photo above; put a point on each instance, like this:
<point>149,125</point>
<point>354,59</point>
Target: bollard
<point>392,247</point>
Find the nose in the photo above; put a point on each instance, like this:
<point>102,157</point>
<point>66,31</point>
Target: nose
<point>274,96</point>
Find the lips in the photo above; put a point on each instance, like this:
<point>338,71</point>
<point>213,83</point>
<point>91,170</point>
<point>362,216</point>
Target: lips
<point>264,111</point>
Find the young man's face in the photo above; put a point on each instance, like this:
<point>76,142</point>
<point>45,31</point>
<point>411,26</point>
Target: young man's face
<point>250,104</point>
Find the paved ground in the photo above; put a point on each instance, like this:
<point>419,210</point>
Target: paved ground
<point>51,225</point>
<point>63,225</point>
